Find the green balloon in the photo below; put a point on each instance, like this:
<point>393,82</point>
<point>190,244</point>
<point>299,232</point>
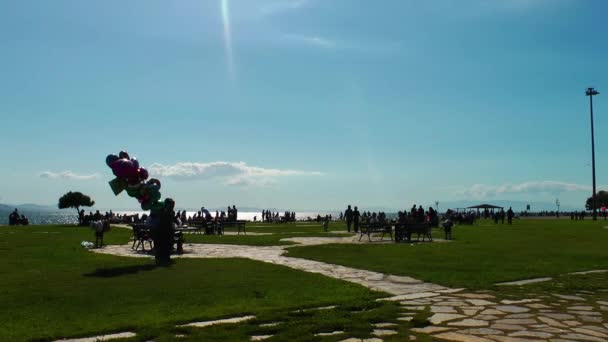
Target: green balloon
<point>133,192</point>
<point>146,205</point>
<point>157,207</point>
<point>155,196</point>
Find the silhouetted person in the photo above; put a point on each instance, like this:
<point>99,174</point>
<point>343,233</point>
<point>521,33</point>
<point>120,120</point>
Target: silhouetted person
<point>163,234</point>
<point>447,228</point>
<point>421,215</point>
<point>502,216</point>
<point>510,215</point>
<point>348,215</point>
<point>81,217</point>
<point>100,227</point>
<point>356,217</point>
<point>13,218</point>
<point>326,223</point>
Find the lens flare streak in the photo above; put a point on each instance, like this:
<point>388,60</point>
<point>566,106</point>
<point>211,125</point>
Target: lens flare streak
<point>228,38</point>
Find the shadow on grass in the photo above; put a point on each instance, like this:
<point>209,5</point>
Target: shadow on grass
<point>120,271</point>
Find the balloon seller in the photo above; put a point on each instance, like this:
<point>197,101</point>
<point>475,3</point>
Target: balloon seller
<point>133,179</point>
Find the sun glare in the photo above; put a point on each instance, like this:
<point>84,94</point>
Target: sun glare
<point>228,38</point>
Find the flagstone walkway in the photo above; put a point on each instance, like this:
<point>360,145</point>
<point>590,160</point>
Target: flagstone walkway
<point>458,315</point>
<point>396,285</point>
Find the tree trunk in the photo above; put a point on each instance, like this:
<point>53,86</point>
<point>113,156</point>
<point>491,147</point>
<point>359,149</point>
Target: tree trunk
<point>78,215</point>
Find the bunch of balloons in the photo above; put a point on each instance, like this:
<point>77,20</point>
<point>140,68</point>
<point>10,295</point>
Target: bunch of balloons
<point>133,179</point>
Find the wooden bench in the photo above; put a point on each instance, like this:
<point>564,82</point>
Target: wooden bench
<point>240,225</point>
<point>141,235</point>
<point>405,231</point>
<point>370,228</point>
<point>204,227</point>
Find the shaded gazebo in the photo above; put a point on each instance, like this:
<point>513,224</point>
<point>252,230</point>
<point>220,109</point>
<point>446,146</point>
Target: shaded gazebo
<point>484,207</point>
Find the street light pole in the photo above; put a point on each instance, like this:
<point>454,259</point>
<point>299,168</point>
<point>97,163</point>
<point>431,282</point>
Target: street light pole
<point>591,92</point>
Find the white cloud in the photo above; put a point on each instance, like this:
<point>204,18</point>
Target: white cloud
<point>238,174</point>
<point>479,191</point>
<point>310,40</point>
<point>68,175</point>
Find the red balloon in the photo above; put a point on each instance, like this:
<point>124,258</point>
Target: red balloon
<point>122,168</point>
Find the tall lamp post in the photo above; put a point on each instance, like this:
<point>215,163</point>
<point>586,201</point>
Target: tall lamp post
<point>591,92</point>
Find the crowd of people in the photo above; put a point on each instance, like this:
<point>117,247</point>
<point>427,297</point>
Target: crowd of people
<point>14,219</point>
<point>580,215</point>
<point>269,216</point>
<point>230,215</point>
<point>354,219</point>
<point>471,216</point>
<point>86,219</point>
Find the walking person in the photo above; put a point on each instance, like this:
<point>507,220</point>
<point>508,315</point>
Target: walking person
<point>510,215</point>
<point>348,215</point>
<point>356,216</point>
<point>326,223</point>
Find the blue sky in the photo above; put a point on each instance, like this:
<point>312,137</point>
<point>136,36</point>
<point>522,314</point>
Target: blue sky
<point>304,104</point>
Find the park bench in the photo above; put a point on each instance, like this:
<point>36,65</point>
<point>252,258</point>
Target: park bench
<point>371,228</point>
<point>405,231</point>
<point>141,235</point>
<point>239,225</point>
<point>204,227</point>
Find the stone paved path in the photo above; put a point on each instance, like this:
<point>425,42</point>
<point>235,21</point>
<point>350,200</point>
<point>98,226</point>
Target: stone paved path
<point>396,285</point>
<point>458,315</point>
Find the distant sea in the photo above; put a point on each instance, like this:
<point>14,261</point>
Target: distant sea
<point>69,217</point>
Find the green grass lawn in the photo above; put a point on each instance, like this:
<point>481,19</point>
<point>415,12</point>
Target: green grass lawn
<point>301,227</point>
<point>51,287</point>
<point>254,240</point>
<point>481,255</point>
<point>353,319</point>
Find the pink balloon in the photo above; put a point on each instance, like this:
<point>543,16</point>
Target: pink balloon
<point>122,168</point>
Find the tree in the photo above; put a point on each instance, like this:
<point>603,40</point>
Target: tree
<point>602,200</point>
<point>75,200</point>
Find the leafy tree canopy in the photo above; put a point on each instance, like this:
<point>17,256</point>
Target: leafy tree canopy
<point>602,200</point>
<point>75,200</point>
